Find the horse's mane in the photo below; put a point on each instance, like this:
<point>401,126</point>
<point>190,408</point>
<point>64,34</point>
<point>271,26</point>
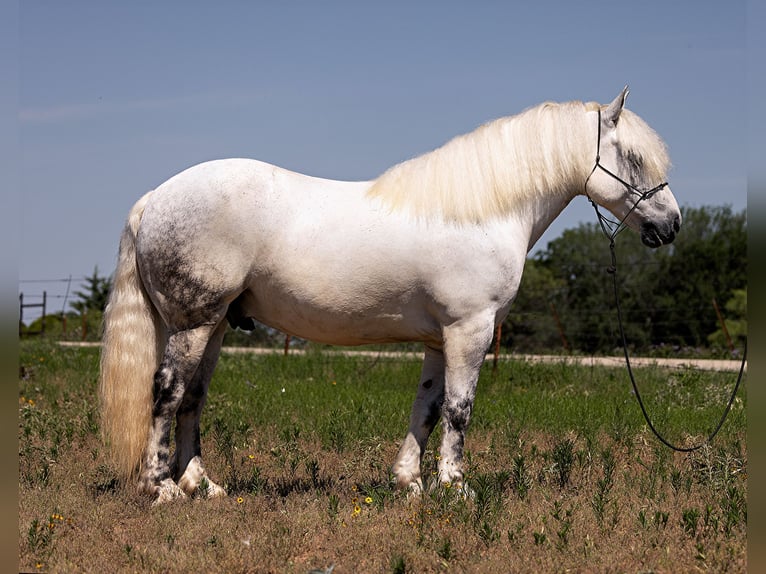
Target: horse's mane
<point>490,172</point>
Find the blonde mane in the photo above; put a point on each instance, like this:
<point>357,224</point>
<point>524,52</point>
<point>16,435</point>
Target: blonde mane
<point>488,173</point>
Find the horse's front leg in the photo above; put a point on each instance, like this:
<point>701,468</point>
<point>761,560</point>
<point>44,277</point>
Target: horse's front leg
<point>465,347</point>
<point>426,411</point>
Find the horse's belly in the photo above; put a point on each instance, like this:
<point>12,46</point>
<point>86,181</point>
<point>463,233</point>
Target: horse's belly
<point>356,321</point>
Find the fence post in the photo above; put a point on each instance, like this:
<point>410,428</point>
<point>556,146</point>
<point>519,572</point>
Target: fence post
<point>723,325</point>
<point>22,305</point>
<point>498,332</point>
<point>560,328</point>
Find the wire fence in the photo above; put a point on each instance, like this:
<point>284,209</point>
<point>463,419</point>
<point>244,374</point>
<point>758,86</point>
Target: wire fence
<point>56,293</point>
<point>51,299</point>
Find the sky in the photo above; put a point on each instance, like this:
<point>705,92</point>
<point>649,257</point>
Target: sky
<point>116,97</point>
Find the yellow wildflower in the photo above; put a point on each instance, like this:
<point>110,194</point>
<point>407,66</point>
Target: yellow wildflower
<point>368,500</point>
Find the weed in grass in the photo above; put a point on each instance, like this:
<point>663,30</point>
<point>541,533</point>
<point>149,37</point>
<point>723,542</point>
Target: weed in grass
<point>621,431</point>
<point>680,482</point>
<point>642,519</point>
<point>514,534</point>
<point>734,507</point>
<point>563,458</point>
<point>444,551</point>
<point>254,484</point>
<point>718,468</point>
<point>333,503</point>
<point>689,520</point>
<point>335,431</point>
<point>39,537</point>
<point>521,481</point>
<point>710,519</point>
<point>488,489</point>
<point>487,533</point>
<point>602,497</point>
<point>398,564</point>
<point>564,520</point>
<point>661,519</point>
<point>375,494</point>
<point>651,481</point>
<point>312,469</point>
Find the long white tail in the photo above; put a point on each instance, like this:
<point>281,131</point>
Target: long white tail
<point>131,348</point>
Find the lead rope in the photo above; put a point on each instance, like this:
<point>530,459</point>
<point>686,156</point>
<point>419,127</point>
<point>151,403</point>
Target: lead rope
<point>605,224</point>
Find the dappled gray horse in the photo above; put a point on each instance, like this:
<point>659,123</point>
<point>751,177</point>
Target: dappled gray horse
<point>431,251</point>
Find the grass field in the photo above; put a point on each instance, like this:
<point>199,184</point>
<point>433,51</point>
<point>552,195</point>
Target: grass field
<point>566,476</point>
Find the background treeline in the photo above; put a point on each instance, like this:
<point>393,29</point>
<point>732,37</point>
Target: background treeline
<point>668,296</point>
<point>675,300</point>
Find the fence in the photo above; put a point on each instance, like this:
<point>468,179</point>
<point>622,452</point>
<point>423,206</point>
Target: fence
<point>560,327</point>
<point>23,306</point>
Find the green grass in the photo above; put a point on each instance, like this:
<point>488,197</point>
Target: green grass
<point>564,472</point>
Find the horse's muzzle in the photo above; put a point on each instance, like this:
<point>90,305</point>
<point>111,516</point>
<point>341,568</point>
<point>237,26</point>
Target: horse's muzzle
<point>654,235</point>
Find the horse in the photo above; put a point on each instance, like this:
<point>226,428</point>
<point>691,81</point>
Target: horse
<point>432,251</point>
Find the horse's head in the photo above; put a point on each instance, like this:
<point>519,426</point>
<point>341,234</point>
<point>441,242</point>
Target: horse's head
<point>628,176</point>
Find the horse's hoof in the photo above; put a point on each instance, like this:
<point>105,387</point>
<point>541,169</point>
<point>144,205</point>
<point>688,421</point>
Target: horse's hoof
<point>208,489</point>
<point>195,481</point>
<point>166,491</point>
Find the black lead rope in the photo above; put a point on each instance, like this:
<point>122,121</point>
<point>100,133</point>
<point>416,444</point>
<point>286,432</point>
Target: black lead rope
<point>606,225</point>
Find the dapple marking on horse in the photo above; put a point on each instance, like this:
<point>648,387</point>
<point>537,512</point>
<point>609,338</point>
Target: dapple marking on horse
<point>432,251</point>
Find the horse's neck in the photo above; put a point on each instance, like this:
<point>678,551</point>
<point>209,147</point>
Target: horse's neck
<point>541,210</point>
<point>541,214</point>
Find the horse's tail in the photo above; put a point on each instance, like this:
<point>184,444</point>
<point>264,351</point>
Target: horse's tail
<point>131,346</point>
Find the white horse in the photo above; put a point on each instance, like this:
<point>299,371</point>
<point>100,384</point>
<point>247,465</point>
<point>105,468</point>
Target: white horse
<point>431,251</point>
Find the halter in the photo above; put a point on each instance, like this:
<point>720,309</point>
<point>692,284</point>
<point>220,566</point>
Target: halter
<point>611,229</point>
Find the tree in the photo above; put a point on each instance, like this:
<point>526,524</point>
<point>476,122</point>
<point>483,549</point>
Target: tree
<point>530,326</point>
<point>95,293</point>
<point>665,294</point>
<point>735,321</point>
<point>708,260</point>
<point>585,305</point>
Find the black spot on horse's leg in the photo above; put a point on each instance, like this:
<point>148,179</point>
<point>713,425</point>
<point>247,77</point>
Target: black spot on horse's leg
<point>433,415</point>
<point>425,413</point>
<point>458,415</point>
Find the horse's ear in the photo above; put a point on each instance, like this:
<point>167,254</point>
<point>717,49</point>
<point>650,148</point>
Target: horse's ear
<point>613,110</point>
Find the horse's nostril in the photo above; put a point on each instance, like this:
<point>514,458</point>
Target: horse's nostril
<point>676,224</point>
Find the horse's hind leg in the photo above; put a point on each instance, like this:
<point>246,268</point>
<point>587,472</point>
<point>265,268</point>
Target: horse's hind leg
<point>188,471</point>
<point>425,413</point>
<point>182,357</point>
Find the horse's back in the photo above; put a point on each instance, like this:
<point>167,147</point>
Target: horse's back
<point>209,232</point>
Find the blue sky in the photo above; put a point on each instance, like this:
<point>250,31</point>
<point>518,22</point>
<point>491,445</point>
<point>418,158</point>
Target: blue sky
<point>116,97</point>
